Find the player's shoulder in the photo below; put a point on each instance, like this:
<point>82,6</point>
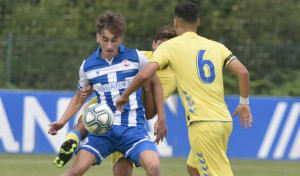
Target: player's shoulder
<point>127,51</point>
<point>89,60</point>
<point>214,42</point>
<point>92,57</point>
<point>133,55</point>
<point>147,54</point>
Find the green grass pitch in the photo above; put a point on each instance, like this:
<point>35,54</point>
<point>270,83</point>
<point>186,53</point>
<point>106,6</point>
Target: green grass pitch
<point>37,165</point>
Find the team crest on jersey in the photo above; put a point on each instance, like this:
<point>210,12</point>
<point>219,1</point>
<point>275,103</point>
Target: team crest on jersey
<point>125,63</point>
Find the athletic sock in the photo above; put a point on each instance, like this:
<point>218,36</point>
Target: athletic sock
<point>75,135</point>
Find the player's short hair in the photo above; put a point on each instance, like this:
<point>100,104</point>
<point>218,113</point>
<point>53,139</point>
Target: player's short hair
<point>187,11</point>
<point>165,32</point>
<point>115,23</point>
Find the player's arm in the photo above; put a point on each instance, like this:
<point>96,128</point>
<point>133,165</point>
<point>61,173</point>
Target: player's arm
<point>242,73</point>
<point>148,102</point>
<point>243,108</point>
<point>160,127</point>
<point>140,79</point>
<point>73,107</point>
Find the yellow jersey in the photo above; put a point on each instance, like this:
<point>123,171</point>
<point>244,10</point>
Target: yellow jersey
<point>197,64</point>
<point>165,76</point>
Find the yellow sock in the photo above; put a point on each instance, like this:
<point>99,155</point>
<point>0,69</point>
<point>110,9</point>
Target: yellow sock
<point>75,135</point>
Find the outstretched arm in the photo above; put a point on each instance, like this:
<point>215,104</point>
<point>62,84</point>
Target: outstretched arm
<point>73,107</point>
<point>243,108</point>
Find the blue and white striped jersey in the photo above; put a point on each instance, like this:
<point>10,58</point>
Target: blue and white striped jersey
<point>110,79</point>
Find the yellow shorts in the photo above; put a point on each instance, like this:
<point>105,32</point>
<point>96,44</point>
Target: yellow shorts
<point>208,142</point>
<point>115,157</point>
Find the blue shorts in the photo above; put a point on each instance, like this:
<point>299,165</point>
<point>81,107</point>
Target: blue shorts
<point>131,141</point>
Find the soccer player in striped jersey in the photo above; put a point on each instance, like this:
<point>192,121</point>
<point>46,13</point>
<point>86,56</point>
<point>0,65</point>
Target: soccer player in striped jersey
<point>197,65</point>
<point>121,166</point>
<point>110,70</point>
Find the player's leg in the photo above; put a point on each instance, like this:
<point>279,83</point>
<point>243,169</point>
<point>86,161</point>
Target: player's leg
<point>83,161</point>
<point>208,145</point>
<point>149,160</point>
<point>71,143</point>
<point>92,150</point>
<point>191,165</point>
<point>123,167</point>
<point>73,139</point>
<point>138,147</point>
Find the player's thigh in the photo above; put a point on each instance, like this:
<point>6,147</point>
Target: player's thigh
<point>100,146</point>
<point>117,157</point>
<point>148,159</point>
<point>208,149</point>
<point>123,167</point>
<point>82,162</point>
<point>134,142</point>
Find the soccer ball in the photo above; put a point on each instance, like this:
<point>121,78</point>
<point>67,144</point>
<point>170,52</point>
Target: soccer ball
<point>98,118</point>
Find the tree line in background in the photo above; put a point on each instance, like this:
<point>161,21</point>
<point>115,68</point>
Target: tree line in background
<point>49,39</point>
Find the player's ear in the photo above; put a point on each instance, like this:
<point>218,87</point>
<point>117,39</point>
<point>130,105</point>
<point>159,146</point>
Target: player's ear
<point>198,22</point>
<point>175,22</point>
<point>153,45</point>
<point>98,38</point>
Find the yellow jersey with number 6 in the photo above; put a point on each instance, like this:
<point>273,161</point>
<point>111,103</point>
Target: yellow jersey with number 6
<point>197,64</point>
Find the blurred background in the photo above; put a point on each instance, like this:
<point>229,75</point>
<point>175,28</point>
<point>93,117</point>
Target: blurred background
<point>43,42</point>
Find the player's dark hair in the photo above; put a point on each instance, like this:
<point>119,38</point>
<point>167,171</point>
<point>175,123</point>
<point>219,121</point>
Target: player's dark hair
<point>165,32</point>
<point>115,23</point>
<point>187,11</point>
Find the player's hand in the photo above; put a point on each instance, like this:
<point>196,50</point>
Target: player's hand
<point>86,92</point>
<point>243,110</point>
<point>55,126</point>
<point>121,101</point>
<point>160,130</point>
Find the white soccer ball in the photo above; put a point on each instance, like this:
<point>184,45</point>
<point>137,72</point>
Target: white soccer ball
<point>98,118</point>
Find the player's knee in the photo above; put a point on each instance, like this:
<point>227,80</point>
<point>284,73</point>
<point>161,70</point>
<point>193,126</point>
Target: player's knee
<point>123,168</point>
<point>153,169</point>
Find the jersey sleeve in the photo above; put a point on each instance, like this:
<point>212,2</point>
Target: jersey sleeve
<point>142,60</point>
<point>83,81</point>
<point>227,56</point>
<point>160,56</point>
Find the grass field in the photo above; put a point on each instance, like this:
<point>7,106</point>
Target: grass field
<point>41,165</point>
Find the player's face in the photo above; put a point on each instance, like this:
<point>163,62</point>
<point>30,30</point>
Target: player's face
<point>109,43</point>
<point>157,43</point>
